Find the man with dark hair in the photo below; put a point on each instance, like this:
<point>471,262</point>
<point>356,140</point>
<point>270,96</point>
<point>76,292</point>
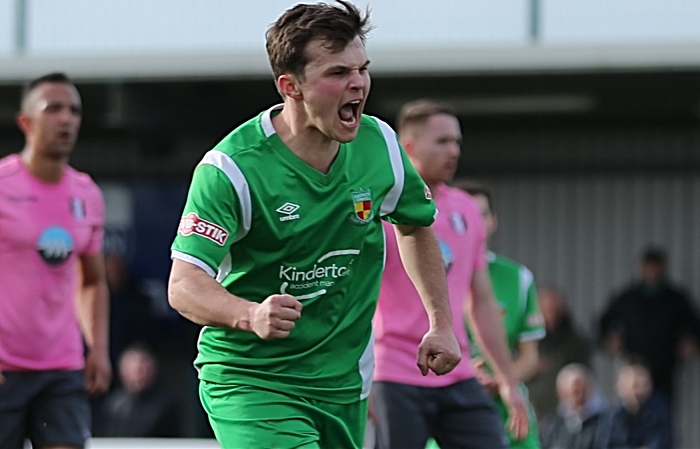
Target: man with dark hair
<point>453,409</point>
<point>652,319</point>
<point>51,236</point>
<point>280,249</point>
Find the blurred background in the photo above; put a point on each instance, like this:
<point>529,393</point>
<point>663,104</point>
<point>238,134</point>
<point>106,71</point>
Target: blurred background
<point>583,117</point>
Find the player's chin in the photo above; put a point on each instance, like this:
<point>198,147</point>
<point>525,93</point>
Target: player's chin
<point>346,135</point>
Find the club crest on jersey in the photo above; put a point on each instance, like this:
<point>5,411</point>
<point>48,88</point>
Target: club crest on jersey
<point>77,208</point>
<point>362,203</point>
<point>192,224</point>
<point>428,193</point>
<point>458,223</point>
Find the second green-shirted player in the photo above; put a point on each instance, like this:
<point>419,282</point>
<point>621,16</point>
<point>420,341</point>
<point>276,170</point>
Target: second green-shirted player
<point>515,291</point>
<point>514,288</point>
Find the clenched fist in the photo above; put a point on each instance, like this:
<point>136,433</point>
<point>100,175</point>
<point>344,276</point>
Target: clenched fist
<point>438,352</point>
<point>274,318</point>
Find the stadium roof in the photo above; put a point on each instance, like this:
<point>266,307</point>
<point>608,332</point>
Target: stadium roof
<point>403,62</point>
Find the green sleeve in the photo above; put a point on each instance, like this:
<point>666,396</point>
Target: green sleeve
<point>415,206</point>
<point>211,217</point>
<point>532,323</point>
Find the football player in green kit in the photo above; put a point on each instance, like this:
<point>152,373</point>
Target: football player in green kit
<point>514,287</point>
<point>280,249</point>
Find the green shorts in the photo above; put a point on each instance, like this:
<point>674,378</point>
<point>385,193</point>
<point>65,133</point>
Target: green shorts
<point>244,416</point>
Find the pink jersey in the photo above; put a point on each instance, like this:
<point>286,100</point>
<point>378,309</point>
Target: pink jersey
<point>44,228</point>
<point>401,321</point>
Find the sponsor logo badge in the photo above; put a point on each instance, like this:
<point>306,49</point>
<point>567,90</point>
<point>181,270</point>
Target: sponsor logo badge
<point>313,281</point>
<point>55,245</point>
<point>287,210</point>
<point>192,224</point>
<point>362,204</point>
<point>535,320</point>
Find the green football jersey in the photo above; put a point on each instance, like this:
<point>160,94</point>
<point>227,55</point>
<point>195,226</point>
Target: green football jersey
<point>264,222</point>
<point>514,288</point>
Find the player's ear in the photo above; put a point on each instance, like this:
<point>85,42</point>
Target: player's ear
<point>23,122</point>
<point>288,86</point>
<point>407,145</point>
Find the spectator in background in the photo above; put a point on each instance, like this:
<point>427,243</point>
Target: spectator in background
<point>562,346</point>
<point>579,419</point>
<point>52,278</point>
<point>652,319</point>
<point>516,294</point>
<point>130,309</point>
<point>642,417</point>
<point>139,407</point>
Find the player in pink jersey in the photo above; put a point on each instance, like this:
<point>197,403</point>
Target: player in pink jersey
<point>51,233</point>
<point>409,406</point>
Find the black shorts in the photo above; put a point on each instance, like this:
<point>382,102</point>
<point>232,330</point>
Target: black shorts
<point>461,415</point>
<point>47,407</point>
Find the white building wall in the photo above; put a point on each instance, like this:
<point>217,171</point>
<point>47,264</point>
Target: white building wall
<point>482,34</point>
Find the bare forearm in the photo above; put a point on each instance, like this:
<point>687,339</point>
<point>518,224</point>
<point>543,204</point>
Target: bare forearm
<point>485,320</point>
<point>93,311</point>
<point>421,257</point>
<point>490,336</point>
<point>525,364</point>
<point>201,299</point>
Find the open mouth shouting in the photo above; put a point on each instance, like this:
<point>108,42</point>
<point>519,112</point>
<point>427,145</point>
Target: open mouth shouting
<point>349,114</point>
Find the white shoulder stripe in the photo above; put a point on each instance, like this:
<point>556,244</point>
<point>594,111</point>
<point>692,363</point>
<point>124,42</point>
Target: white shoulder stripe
<point>194,261</point>
<point>392,198</point>
<point>224,163</point>
<point>266,120</point>
<point>526,280</point>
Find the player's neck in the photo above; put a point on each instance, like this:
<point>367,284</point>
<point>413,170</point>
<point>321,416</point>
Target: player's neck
<point>46,169</point>
<point>307,143</point>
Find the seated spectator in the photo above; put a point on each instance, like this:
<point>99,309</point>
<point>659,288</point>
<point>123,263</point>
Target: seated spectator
<point>131,320</point>
<point>139,407</point>
<point>561,346</point>
<point>579,420</point>
<point>642,419</point>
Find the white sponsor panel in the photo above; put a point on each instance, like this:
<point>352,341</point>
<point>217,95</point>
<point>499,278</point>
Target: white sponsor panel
<point>193,224</point>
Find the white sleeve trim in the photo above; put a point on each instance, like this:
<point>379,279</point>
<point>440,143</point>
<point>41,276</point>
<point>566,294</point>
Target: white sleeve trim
<point>194,261</point>
<point>526,280</point>
<point>392,198</point>
<point>532,335</point>
<point>224,163</point>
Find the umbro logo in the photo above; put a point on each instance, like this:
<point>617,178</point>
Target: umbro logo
<point>287,210</point>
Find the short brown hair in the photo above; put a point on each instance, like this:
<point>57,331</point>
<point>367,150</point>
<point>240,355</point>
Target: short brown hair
<point>288,36</point>
<point>419,111</point>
